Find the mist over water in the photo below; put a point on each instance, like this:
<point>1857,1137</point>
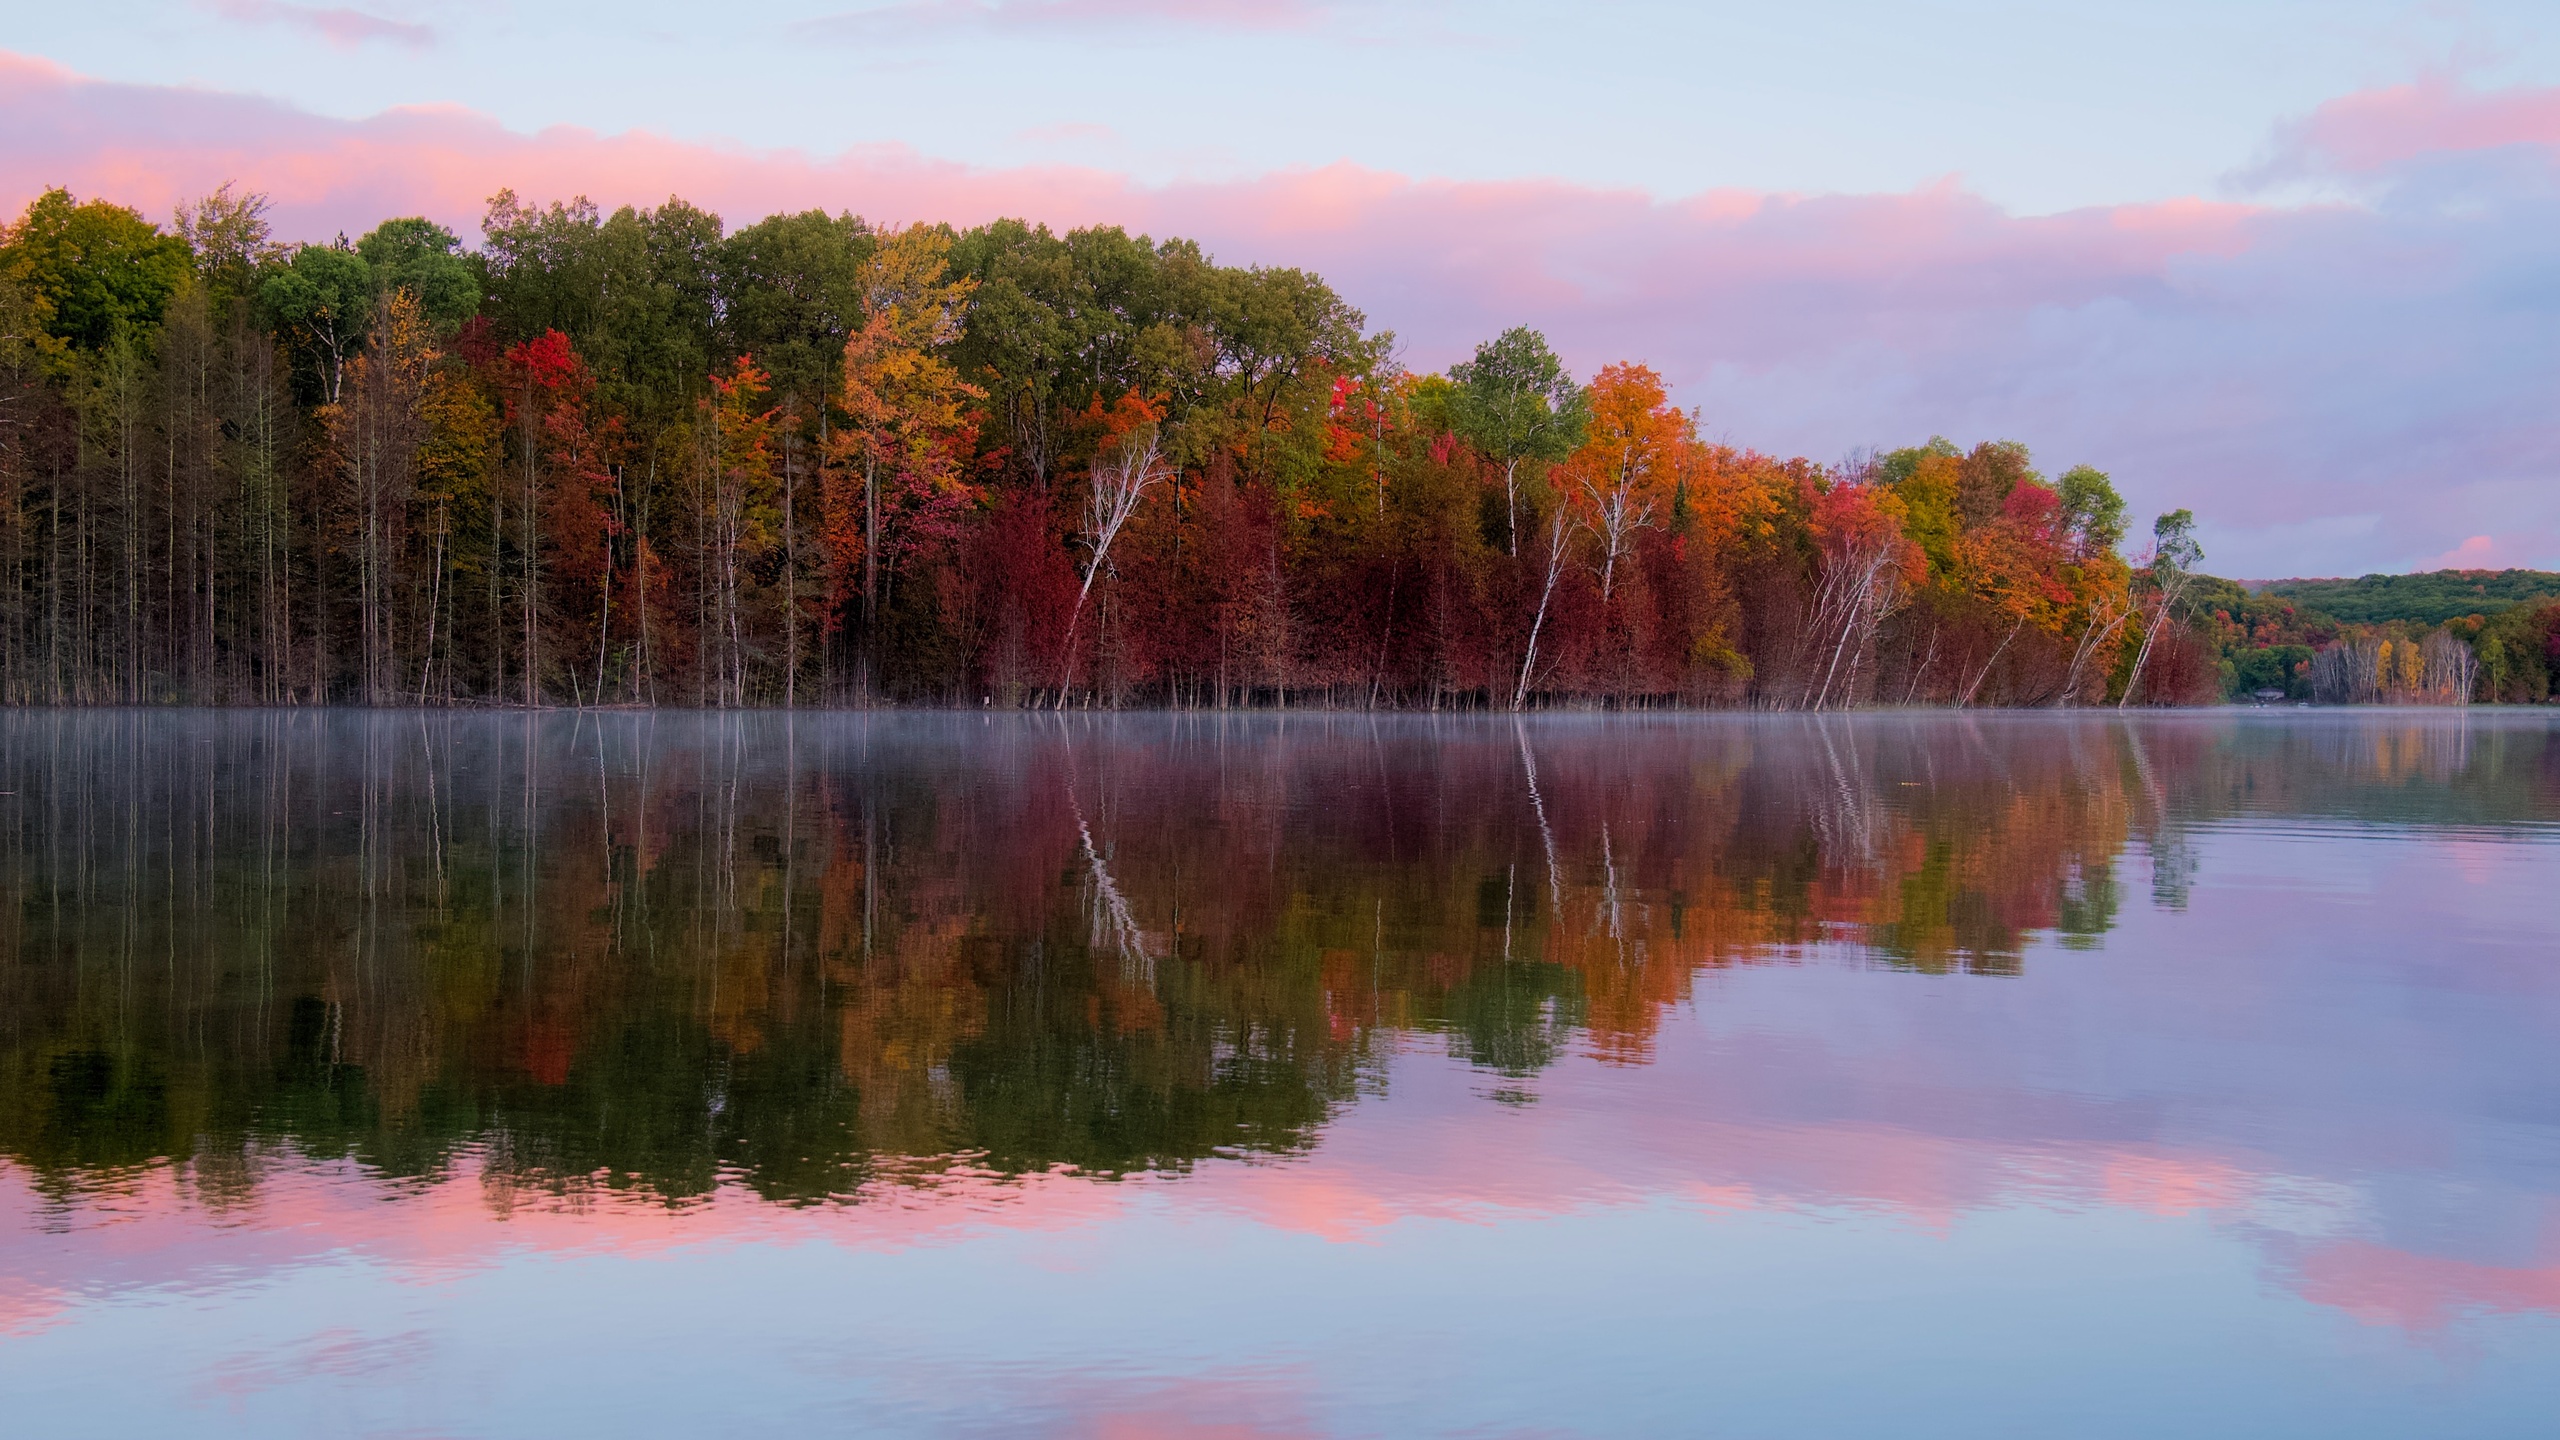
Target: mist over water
<point>1296,1074</point>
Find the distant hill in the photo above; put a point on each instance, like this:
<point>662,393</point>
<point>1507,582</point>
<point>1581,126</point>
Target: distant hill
<point>2429,599</point>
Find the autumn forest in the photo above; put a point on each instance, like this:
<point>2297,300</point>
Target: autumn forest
<point>645,459</point>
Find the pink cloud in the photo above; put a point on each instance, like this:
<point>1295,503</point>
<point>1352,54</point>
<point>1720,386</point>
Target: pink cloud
<point>341,27</point>
<point>2375,131</point>
<point>1606,266</point>
<point>2334,388</point>
<point>909,18</point>
<point>2480,552</point>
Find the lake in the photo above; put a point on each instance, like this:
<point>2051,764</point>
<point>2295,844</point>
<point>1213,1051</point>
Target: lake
<point>1272,1075</point>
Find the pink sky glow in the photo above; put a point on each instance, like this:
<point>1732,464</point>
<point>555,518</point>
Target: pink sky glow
<point>2332,386</point>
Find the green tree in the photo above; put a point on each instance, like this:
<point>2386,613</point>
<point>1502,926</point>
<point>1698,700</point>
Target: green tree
<point>1060,323</point>
<point>1271,328</point>
<point>105,271</point>
<point>2091,508</point>
<point>2519,647</point>
<point>1516,402</point>
<point>543,267</point>
<point>655,329</point>
<point>790,294</point>
<point>323,296</point>
<point>636,292</point>
<point>418,255</point>
<point>1033,316</point>
<point>2431,598</point>
<point>232,241</point>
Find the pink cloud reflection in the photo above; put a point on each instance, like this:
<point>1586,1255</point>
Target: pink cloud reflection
<point>1454,1159</point>
<point>2383,1286</point>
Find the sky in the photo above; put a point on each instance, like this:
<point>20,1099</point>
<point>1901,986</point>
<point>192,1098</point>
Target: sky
<point>2287,264</point>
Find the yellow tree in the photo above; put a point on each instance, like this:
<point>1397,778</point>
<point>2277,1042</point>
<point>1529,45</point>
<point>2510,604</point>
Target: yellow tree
<point>901,454</point>
<point>1630,454</point>
<point>745,508</point>
<point>375,429</point>
<point>457,486</point>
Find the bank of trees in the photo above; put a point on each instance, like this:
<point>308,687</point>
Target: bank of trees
<point>2405,645</point>
<point>2433,597</point>
<point>641,458</point>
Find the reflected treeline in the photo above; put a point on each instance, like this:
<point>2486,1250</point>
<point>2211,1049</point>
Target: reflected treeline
<point>823,955</point>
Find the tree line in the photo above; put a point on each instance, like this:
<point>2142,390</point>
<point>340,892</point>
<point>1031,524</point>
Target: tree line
<point>644,459</point>
<point>2427,598</point>
<point>2450,637</point>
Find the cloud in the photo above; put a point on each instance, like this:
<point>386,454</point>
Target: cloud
<point>2480,552</point>
<point>2334,388</point>
<point>341,27</point>
<point>909,19</point>
<point>2375,132</point>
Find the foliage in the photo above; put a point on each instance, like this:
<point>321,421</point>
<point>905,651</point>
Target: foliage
<point>912,952</point>
<point>637,457</point>
<point>2431,598</point>
<point>323,295</point>
<point>103,271</point>
<point>425,259</point>
<point>2519,651</point>
<point>1515,403</point>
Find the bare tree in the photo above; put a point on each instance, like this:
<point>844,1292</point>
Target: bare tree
<point>1861,588</point>
<point>2104,620</point>
<point>2449,669</point>
<point>1118,484</point>
<point>376,429</point>
<point>1560,528</point>
<point>1621,504</point>
<point>2174,554</point>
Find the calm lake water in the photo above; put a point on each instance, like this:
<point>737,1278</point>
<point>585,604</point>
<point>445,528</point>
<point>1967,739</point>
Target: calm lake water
<point>2190,1075</point>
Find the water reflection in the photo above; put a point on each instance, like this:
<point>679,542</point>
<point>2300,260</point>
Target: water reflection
<point>819,957</point>
<point>944,1074</point>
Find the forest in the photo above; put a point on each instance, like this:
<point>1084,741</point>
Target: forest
<point>2446,637</point>
<point>2430,598</point>
<point>641,458</point>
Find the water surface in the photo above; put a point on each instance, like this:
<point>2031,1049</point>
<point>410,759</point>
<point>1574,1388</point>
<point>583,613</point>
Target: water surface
<point>1307,1075</point>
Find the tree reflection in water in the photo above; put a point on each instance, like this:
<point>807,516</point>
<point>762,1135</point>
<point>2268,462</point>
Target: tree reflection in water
<point>823,955</point>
